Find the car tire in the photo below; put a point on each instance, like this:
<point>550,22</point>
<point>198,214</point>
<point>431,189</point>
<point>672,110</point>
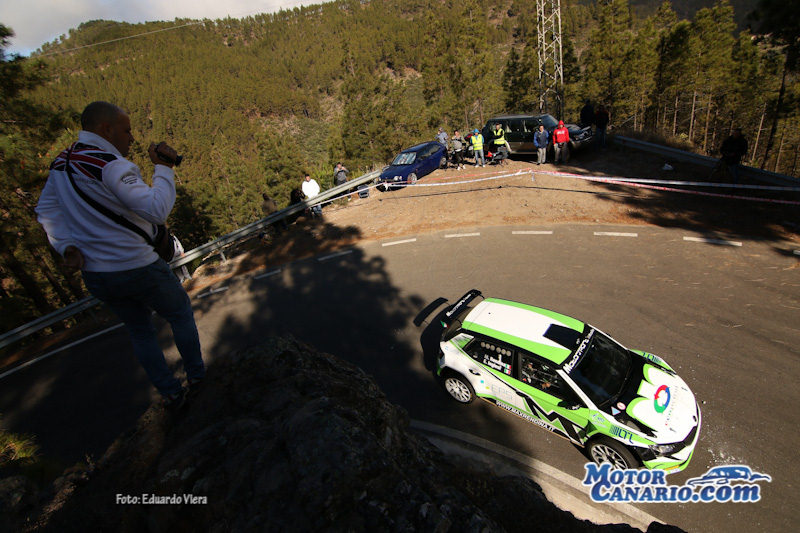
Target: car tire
<point>458,387</point>
<point>443,162</point>
<point>412,178</point>
<point>605,450</point>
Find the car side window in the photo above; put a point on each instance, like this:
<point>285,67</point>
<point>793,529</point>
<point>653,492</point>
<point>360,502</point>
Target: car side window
<point>492,355</point>
<point>516,125</point>
<point>544,377</point>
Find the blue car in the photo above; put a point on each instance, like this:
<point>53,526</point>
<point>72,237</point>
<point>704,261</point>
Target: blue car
<point>721,475</point>
<point>413,163</point>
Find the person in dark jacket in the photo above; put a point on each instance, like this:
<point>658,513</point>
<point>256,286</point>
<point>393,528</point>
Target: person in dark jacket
<point>587,114</point>
<point>733,149</point>
<point>601,120</point>
<point>540,139</point>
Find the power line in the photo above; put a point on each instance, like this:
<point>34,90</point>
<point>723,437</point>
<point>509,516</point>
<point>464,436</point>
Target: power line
<point>56,52</point>
<point>120,39</point>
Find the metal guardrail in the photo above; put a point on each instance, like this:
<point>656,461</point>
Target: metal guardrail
<point>217,245</point>
<point>697,159</point>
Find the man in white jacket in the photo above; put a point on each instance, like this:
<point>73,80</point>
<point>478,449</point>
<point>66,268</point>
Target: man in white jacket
<point>311,189</point>
<point>118,266</point>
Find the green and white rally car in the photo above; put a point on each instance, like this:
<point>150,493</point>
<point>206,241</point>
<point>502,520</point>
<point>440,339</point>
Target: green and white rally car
<point>626,407</point>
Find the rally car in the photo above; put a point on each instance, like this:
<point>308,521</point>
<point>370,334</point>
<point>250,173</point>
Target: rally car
<point>626,407</point>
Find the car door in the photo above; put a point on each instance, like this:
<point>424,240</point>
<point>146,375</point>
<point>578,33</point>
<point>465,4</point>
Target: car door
<point>429,163</point>
<point>515,135</point>
<point>548,398</point>
<point>492,375</point>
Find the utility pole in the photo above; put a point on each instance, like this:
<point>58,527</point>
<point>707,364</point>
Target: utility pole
<point>551,70</point>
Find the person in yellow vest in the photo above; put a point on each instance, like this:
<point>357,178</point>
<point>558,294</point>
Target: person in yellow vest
<point>499,143</point>
<point>477,147</point>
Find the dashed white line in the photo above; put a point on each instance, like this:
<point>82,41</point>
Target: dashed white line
<point>399,242</point>
<point>531,232</point>
<point>456,235</point>
<point>267,274</point>
<point>615,234</point>
<point>334,255</point>
<point>712,241</point>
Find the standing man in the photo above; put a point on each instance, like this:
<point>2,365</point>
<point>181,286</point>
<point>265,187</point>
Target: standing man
<point>540,139</point>
<point>340,174</point>
<point>441,138</point>
<point>560,143</point>
<point>458,150</point>
<point>587,114</point>
<point>340,177</point>
<point>477,147</point>
<point>499,141</point>
<point>733,149</point>
<point>118,266</point>
<point>311,189</point>
<point>601,120</point>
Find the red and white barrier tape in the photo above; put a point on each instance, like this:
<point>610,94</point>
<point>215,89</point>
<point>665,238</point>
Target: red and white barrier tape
<point>644,184</point>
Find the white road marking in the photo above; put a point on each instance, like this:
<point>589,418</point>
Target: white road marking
<point>213,291</point>
<point>455,235</point>
<point>531,232</point>
<point>267,274</point>
<point>398,242</point>
<point>70,345</point>
<point>334,255</point>
<point>615,234</point>
<point>712,241</point>
<point>636,516</point>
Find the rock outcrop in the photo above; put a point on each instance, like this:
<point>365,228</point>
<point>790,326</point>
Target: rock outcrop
<point>284,438</point>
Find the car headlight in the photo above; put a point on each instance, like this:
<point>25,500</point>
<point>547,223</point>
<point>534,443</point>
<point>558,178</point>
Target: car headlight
<point>666,449</point>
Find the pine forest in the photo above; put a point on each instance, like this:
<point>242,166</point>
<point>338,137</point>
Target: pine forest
<point>255,103</point>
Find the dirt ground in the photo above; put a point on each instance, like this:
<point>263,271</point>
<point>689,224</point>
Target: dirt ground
<point>518,193</point>
<point>523,193</point>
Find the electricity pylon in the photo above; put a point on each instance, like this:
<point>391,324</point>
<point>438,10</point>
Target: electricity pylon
<point>551,71</point>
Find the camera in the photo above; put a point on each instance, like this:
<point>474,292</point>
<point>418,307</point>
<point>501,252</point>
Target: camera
<point>176,161</point>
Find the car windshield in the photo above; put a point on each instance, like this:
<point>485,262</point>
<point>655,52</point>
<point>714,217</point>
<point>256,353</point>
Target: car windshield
<point>549,122</point>
<point>404,158</point>
<point>602,371</point>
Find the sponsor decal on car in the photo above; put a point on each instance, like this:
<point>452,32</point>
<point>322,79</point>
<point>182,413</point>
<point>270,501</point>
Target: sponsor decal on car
<point>649,486</point>
<point>661,399</point>
<point>579,352</point>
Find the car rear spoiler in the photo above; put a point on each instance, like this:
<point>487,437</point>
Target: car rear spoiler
<point>459,306</point>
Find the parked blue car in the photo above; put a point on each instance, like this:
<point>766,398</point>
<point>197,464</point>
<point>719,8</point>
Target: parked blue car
<point>413,163</point>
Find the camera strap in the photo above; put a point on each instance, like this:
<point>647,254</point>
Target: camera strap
<point>116,217</point>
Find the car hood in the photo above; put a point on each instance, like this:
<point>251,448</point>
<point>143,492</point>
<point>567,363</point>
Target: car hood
<point>396,170</point>
<point>662,402</point>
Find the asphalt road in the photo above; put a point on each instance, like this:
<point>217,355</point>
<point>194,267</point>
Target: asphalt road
<point>724,316</point>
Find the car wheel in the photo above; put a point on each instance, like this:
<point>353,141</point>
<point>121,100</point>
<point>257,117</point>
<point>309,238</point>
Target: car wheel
<point>605,450</point>
<point>458,387</point>
<point>412,178</point>
<point>443,162</point>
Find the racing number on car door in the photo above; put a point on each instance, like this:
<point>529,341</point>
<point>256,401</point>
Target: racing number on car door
<point>500,359</point>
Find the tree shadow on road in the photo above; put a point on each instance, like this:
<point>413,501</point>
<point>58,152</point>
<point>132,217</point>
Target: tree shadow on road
<point>759,217</point>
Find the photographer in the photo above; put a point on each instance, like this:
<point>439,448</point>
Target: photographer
<point>90,190</point>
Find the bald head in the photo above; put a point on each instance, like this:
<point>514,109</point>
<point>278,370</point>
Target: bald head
<point>109,122</point>
<point>98,113</point>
